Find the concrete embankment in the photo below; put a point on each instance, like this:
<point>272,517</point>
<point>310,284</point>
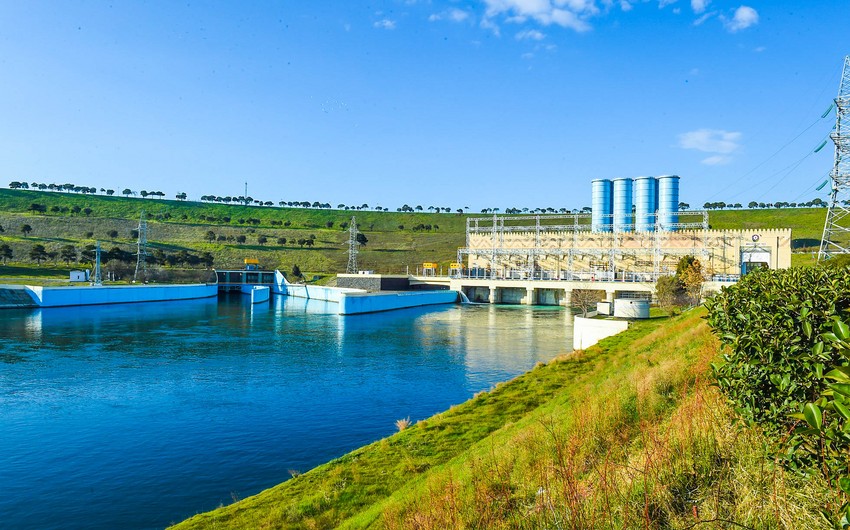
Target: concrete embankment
<point>357,301</point>
<point>91,295</point>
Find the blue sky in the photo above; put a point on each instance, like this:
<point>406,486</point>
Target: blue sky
<point>493,103</point>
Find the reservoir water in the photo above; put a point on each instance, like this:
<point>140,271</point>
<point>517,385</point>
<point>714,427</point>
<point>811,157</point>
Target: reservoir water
<point>140,415</point>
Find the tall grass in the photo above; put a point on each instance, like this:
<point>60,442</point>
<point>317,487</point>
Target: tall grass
<point>628,434</point>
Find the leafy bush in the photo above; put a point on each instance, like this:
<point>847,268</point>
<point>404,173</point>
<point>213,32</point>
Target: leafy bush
<point>785,337</point>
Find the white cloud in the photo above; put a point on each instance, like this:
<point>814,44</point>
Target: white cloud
<point>385,24</point>
<point>625,6</point>
<point>569,14</point>
<point>721,144</point>
<point>530,34</point>
<point>453,15</point>
<point>486,23</point>
<point>664,3</point>
<point>528,56</point>
<point>744,17</point>
<point>760,49</point>
<point>699,6</point>
<point>716,160</point>
<point>700,20</point>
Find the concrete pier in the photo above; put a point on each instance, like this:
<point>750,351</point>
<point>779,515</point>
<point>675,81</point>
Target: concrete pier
<point>544,292</point>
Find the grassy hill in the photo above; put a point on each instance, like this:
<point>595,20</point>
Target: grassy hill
<point>627,434</point>
<point>175,226</point>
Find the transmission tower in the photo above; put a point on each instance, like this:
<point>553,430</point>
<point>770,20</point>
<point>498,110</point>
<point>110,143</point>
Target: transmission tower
<point>836,234</point>
<point>98,277</point>
<point>352,248</point>
<point>142,249</point>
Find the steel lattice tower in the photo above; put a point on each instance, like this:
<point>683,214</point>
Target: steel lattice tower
<point>142,249</point>
<point>352,248</point>
<point>98,277</point>
<point>836,232</point>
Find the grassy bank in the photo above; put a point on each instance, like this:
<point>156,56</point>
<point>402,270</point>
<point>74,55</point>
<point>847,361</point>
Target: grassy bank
<point>627,434</point>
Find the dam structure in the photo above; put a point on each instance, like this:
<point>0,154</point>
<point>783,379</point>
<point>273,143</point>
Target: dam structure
<point>638,235</point>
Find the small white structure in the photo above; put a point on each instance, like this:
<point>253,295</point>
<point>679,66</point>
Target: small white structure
<point>79,276</point>
<point>589,331</point>
<point>631,308</point>
<point>603,308</point>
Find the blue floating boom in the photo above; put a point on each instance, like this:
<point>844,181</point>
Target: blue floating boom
<point>818,148</point>
<point>822,184</point>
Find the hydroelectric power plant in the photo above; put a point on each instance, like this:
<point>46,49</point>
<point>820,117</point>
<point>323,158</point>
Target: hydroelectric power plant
<point>635,233</point>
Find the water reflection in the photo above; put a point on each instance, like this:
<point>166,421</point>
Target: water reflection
<point>164,409</point>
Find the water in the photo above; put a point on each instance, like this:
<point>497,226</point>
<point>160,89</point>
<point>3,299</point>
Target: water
<point>139,415</point>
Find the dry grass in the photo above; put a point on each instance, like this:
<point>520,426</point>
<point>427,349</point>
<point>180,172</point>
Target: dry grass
<point>402,424</point>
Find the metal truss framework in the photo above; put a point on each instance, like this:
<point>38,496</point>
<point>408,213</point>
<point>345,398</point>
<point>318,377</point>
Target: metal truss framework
<point>836,232</point>
<point>352,248</point>
<point>575,260</point>
<point>142,249</point>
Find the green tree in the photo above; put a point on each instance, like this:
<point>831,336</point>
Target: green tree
<point>296,271</point>
<point>281,241</point>
<point>210,236</point>
<point>301,242</point>
<point>26,229</point>
<point>5,252</point>
<point>38,253</point>
<point>668,291</point>
<point>309,242</point>
<point>241,239</point>
<point>262,240</point>
<point>361,239</point>
<point>88,254</point>
<point>692,280</point>
<point>68,253</point>
<point>112,233</point>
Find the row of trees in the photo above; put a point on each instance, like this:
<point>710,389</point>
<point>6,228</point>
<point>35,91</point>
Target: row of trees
<point>752,205</point>
<point>247,200</point>
<point>70,254</point>
<point>15,185</point>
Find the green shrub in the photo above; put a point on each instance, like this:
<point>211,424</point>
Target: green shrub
<point>784,338</point>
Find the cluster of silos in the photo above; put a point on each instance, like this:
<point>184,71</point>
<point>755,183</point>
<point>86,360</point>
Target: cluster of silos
<point>655,201</point>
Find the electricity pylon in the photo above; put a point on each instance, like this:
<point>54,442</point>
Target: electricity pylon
<point>836,232</point>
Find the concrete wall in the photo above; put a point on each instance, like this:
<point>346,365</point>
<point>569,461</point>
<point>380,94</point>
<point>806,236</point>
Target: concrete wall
<point>589,331</point>
<point>374,282</point>
<point>259,294</point>
<point>356,303</point>
<point>15,296</point>
<point>89,295</point>
<point>315,292</point>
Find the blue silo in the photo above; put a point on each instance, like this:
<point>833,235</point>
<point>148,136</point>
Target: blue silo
<point>623,219</point>
<point>646,203</point>
<point>602,204</point>
<point>668,202</point>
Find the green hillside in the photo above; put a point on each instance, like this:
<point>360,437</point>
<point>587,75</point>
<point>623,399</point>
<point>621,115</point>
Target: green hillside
<point>396,241</point>
<point>627,434</point>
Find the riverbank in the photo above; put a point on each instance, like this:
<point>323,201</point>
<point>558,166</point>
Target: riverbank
<point>628,433</point>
